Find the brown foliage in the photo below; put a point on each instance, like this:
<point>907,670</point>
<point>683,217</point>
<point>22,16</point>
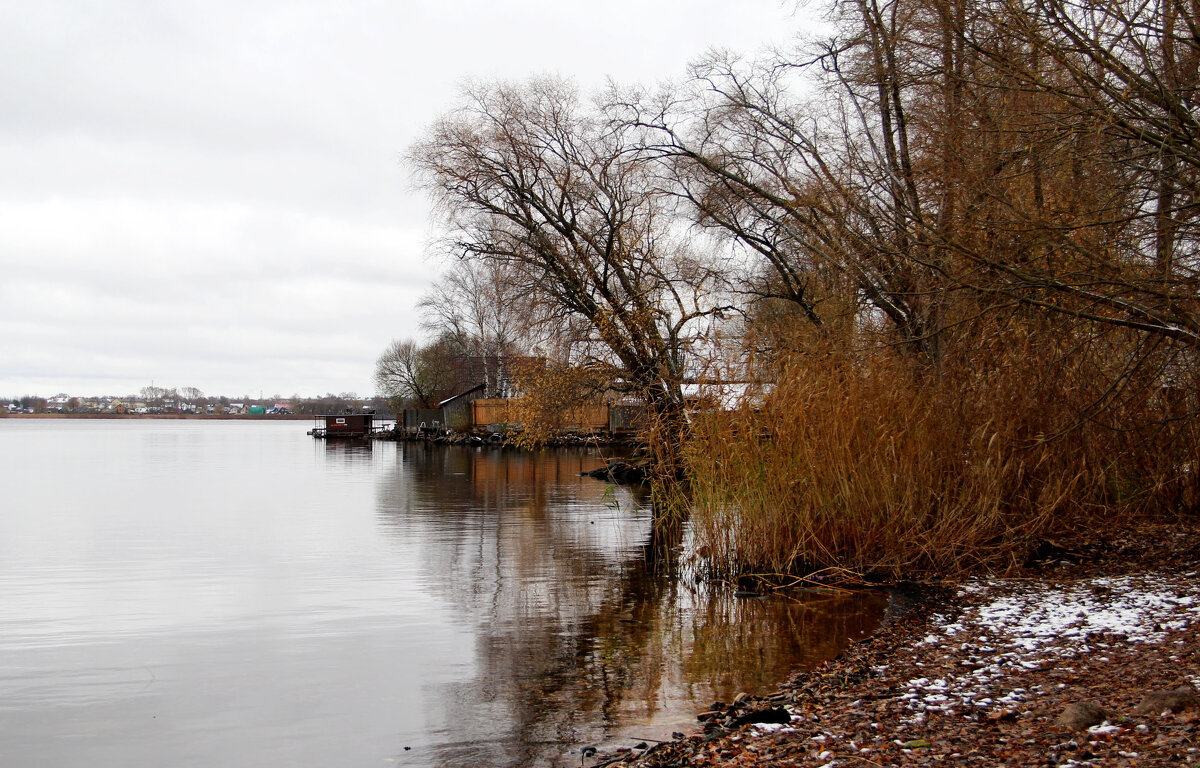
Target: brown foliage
<point>557,397</point>
<point>859,460</point>
<point>970,272</point>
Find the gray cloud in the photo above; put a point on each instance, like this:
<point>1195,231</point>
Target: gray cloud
<point>209,194</point>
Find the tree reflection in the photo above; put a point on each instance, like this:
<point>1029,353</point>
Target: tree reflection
<point>578,634</point>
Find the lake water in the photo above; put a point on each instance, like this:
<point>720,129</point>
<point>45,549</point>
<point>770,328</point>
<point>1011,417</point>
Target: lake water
<point>223,593</point>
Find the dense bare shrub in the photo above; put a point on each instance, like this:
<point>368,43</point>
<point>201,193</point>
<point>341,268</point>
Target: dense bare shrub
<point>859,461</point>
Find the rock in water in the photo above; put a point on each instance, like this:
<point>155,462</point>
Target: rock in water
<point>1082,714</point>
<point>620,472</point>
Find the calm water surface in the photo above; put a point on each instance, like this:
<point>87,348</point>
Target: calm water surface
<point>216,593</point>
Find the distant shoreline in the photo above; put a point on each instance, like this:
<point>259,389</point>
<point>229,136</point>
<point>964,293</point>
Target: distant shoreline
<point>211,416</point>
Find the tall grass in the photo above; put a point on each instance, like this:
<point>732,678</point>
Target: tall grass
<point>867,462</point>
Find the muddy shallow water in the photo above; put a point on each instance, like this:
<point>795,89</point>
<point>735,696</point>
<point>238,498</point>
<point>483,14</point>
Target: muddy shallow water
<point>238,594</point>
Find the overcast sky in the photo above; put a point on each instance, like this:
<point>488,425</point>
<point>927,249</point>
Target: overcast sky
<point>209,194</point>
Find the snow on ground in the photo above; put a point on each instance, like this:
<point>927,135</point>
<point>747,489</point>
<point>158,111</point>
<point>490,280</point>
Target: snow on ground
<point>1010,626</point>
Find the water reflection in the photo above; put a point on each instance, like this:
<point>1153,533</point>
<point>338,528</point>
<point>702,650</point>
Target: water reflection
<point>347,450</point>
<point>240,595</point>
<point>578,639</point>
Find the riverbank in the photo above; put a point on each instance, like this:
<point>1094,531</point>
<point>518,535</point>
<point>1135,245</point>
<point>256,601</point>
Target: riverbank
<point>1090,657</point>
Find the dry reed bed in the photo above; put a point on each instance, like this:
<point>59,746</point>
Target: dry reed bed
<point>867,463</point>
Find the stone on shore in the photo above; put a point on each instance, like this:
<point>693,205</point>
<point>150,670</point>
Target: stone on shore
<point>1176,700</point>
<point>1081,715</point>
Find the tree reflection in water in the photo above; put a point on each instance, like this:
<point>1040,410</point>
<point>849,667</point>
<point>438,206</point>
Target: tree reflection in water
<point>579,637</point>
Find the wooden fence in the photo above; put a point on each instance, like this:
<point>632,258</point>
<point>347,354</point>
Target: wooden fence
<point>500,412</point>
<point>492,411</point>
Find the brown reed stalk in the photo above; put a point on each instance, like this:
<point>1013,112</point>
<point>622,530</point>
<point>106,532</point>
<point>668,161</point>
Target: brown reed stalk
<point>861,460</point>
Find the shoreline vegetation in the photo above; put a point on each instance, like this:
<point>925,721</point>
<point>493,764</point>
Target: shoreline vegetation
<point>917,299</point>
<point>911,299</point>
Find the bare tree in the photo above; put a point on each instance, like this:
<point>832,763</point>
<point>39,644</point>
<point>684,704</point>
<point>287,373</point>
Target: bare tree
<point>408,374</point>
<point>479,310</point>
<point>1116,104</point>
<point>957,157</point>
<point>154,395</point>
<point>477,303</point>
<point>530,179</point>
<point>826,192</point>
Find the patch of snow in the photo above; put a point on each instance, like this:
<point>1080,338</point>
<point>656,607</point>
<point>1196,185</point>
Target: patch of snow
<point>1028,626</point>
<point>1126,606</point>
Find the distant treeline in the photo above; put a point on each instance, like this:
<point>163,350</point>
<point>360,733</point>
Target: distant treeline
<point>154,401</point>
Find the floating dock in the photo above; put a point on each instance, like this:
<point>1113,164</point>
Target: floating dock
<point>346,425</point>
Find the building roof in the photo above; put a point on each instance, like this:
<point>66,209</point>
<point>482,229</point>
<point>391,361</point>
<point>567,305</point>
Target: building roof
<point>461,395</point>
